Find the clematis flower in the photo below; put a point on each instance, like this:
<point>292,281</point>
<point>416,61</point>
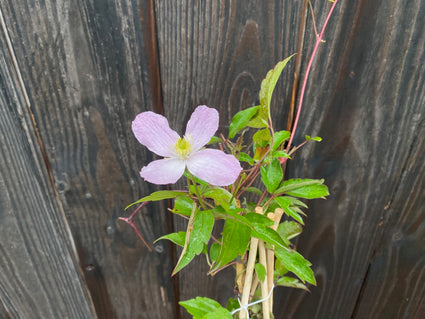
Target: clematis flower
<point>213,166</point>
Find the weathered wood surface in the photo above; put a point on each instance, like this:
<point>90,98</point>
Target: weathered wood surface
<point>85,68</point>
<point>366,99</point>
<point>90,66</point>
<point>39,276</point>
<point>216,53</point>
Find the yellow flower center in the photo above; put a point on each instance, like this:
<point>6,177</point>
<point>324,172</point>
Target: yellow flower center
<point>183,146</point>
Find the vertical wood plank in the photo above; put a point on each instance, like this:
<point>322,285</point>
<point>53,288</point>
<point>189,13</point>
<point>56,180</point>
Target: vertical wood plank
<point>85,68</point>
<point>366,99</point>
<point>40,275</point>
<point>216,53</point>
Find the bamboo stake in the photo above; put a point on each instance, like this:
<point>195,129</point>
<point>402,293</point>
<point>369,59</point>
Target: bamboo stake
<point>252,256</point>
<point>276,216</point>
<point>264,286</point>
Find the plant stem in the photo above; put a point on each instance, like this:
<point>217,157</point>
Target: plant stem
<point>276,216</point>
<point>307,72</point>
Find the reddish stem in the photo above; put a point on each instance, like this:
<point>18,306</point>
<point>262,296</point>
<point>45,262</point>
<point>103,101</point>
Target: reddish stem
<point>313,54</point>
<point>129,220</point>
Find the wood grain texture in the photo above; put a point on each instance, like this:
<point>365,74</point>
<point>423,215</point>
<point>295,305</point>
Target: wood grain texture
<point>85,69</point>
<point>217,53</point>
<point>366,99</point>
<point>40,276</point>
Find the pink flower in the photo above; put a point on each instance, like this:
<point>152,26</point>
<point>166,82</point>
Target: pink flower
<point>213,166</point>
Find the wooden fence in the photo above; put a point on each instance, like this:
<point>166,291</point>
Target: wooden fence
<point>74,74</point>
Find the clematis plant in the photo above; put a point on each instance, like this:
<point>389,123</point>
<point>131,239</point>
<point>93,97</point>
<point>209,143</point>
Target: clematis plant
<point>256,237</point>
<point>242,182</point>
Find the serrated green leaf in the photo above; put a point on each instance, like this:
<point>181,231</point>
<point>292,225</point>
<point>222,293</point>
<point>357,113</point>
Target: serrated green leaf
<point>291,282</point>
<point>244,157</point>
<point>260,270</point>
<point>176,238</point>
<point>159,195</point>
<point>234,243</point>
<point>279,138</point>
<point>198,234</point>
<point>201,307</point>
<point>272,175</point>
<point>241,119</point>
<point>296,264</point>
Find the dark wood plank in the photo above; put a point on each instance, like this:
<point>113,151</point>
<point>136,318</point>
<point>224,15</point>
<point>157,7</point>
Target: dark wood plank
<point>40,276</point>
<point>366,99</point>
<point>85,68</point>
<point>394,283</point>
<point>216,53</point>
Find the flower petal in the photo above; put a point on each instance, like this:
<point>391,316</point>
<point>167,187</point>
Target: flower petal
<point>152,130</point>
<point>202,125</point>
<point>214,167</point>
<point>163,171</point>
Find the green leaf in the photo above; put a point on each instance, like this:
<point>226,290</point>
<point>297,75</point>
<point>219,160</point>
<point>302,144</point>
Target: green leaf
<point>214,140</point>
<point>254,190</point>
<point>159,195</point>
<point>263,231</point>
<point>220,196</point>
<point>241,119</point>
<point>316,138</point>
<point>285,203</point>
<point>289,229</point>
<point>176,238</point>
<point>244,157</point>
<point>220,313</point>
<point>305,188</point>
<point>266,92</point>
<point>296,202</point>
<point>234,243</point>
<point>296,263</point>
<point>310,192</point>
<point>255,218</point>
<point>280,154</point>
<point>205,308</point>
<point>232,214</point>
<point>214,251</point>
<point>262,137</point>
<point>279,138</point>
<point>198,234</point>
<point>183,205</point>
<point>272,175</point>
<point>261,272</point>
<point>232,304</point>
<point>291,282</point>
